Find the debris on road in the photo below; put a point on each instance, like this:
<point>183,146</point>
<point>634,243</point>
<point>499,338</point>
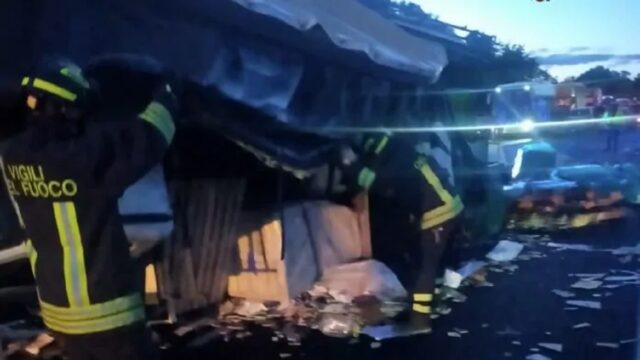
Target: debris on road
<point>582,325</point>
<point>453,279</point>
<point>551,346</point>
<point>506,250</point>
<point>375,345</point>
<point>508,331</point>
<point>585,304</point>
<point>563,293</point>
<point>571,308</point>
<point>628,341</point>
<point>517,343</point>
<point>578,247</point>
<point>594,276</point>
<point>453,334</point>
<point>622,278</point>
<point>587,284</point>
<point>608,345</point>
<point>461,331</point>
<point>537,357</point>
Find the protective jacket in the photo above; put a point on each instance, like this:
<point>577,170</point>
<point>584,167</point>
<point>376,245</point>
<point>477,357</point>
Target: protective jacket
<point>391,166</point>
<point>65,189</point>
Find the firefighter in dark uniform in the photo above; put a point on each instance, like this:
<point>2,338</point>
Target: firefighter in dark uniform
<point>65,175</point>
<point>391,166</point>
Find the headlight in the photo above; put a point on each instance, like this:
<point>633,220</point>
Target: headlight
<point>527,125</point>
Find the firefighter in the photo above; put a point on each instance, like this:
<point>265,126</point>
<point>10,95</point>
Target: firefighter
<point>408,172</point>
<point>64,174</point>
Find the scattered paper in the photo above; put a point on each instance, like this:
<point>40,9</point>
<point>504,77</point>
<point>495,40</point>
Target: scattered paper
<point>585,304</point>
<point>562,293</point>
<point>534,349</point>
<point>594,276</point>
<point>570,246</point>
<point>518,343</point>
<point>485,325</point>
<point>608,345</point>
<point>548,333</point>
<point>551,346</point>
<point>622,278</point>
<point>571,308</point>
<point>461,331</point>
<point>505,251</point>
<point>453,334</point>
<point>452,279</point>
<point>537,357</point>
<point>582,325</point>
<point>375,345</point>
<point>587,284</point>
<point>627,341</point>
<point>508,331</point>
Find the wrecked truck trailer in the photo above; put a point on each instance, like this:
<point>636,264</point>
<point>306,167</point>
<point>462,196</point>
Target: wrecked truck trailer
<point>238,199</point>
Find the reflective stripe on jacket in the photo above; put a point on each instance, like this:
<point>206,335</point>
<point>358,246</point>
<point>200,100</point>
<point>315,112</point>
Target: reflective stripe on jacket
<point>65,188</point>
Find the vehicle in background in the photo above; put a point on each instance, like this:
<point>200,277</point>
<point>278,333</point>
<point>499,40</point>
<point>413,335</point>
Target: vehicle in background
<point>594,96</point>
<point>517,107</point>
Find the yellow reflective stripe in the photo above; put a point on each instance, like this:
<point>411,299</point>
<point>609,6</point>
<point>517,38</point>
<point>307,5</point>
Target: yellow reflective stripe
<point>422,309</point>
<point>75,274</point>
<point>454,209</point>
<point>422,297</point>
<point>434,181</point>
<point>443,209</point>
<point>25,81</point>
<point>96,325</point>
<point>32,254</point>
<point>104,309</point>
<point>54,89</point>
<point>158,116</point>
<point>366,177</point>
<point>381,145</point>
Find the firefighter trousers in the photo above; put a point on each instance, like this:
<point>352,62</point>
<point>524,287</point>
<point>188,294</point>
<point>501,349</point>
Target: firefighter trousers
<point>433,243</point>
<point>131,342</point>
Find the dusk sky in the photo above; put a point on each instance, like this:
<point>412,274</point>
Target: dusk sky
<point>568,36</point>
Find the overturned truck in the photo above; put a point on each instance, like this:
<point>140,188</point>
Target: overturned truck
<point>240,205</point>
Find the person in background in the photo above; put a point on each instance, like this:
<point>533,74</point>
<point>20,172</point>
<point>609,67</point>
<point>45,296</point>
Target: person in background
<point>613,129</point>
<point>64,174</point>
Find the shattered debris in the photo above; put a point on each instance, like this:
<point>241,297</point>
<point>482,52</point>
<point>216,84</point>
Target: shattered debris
<point>587,284</point>
<point>578,247</point>
<point>585,304</point>
<point>508,331</point>
<point>506,250</point>
<point>551,346</point>
<point>563,293</point>
<point>461,331</point>
<point>537,357</point>
<point>593,276</point>
<point>582,325</point>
